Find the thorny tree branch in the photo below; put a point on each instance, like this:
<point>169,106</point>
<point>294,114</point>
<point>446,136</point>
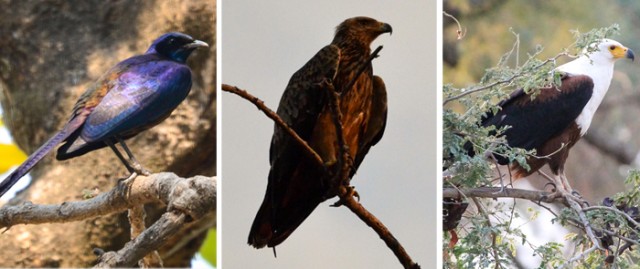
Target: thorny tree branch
<point>548,197</point>
<point>187,200</point>
<point>493,233</point>
<point>460,32</point>
<point>504,81</point>
<point>345,192</point>
<point>499,192</point>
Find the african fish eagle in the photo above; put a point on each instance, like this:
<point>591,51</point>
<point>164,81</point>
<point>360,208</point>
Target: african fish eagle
<point>553,121</point>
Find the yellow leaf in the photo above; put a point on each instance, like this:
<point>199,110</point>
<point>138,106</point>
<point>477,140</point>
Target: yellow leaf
<point>10,155</point>
<point>208,249</point>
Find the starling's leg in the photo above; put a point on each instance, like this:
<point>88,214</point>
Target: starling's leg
<point>122,159</point>
<point>133,162</point>
<point>133,174</point>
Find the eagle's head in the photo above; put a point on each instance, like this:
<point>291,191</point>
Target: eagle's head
<point>610,50</point>
<point>360,29</point>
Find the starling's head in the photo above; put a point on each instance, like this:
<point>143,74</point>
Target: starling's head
<point>362,29</point>
<point>176,46</point>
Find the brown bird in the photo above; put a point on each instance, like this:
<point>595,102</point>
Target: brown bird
<point>297,184</point>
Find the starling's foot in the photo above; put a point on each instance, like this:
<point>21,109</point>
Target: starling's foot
<point>139,169</point>
<point>130,178</point>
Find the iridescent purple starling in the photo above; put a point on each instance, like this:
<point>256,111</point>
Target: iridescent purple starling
<point>133,96</point>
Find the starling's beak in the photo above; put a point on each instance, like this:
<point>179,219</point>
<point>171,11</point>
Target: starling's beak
<point>196,44</point>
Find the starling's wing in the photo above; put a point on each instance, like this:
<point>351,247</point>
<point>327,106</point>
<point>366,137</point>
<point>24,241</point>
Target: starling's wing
<point>300,106</point>
<point>126,101</point>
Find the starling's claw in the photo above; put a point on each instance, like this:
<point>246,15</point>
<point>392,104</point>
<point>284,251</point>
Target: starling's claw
<point>140,170</point>
<point>130,178</point>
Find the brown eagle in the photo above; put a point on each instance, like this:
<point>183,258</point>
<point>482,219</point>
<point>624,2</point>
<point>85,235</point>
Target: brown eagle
<point>297,184</point>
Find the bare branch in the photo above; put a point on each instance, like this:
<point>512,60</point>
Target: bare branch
<point>156,188</point>
<point>137,216</point>
<point>346,197</point>
<point>188,199</point>
<point>152,238</point>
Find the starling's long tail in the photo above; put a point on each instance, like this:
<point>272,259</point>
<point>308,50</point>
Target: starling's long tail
<point>34,158</point>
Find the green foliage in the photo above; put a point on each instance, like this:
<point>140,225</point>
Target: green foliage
<point>551,254</point>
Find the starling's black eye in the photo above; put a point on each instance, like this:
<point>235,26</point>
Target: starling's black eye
<point>172,40</point>
<point>612,47</point>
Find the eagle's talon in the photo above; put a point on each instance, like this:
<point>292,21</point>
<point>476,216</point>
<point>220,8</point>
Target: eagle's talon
<point>576,194</point>
<point>338,203</point>
<point>554,188</point>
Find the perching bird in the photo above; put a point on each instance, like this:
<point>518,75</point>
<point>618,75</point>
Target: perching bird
<point>296,183</point>
<point>133,96</point>
<point>558,117</point>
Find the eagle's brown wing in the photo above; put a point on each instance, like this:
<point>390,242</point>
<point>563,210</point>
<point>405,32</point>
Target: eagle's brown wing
<point>289,198</point>
<point>374,128</point>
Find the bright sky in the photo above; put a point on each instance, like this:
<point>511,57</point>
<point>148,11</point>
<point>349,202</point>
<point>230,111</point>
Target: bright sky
<point>263,44</point>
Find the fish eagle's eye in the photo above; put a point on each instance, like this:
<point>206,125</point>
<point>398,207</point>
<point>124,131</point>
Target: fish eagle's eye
<point>612,47</point>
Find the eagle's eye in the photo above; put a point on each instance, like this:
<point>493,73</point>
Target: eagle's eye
<point>612,47</point>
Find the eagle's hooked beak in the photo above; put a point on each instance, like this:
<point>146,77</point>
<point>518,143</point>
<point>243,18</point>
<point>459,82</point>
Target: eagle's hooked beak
<point>386,28</point>
<point>629,54</point>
